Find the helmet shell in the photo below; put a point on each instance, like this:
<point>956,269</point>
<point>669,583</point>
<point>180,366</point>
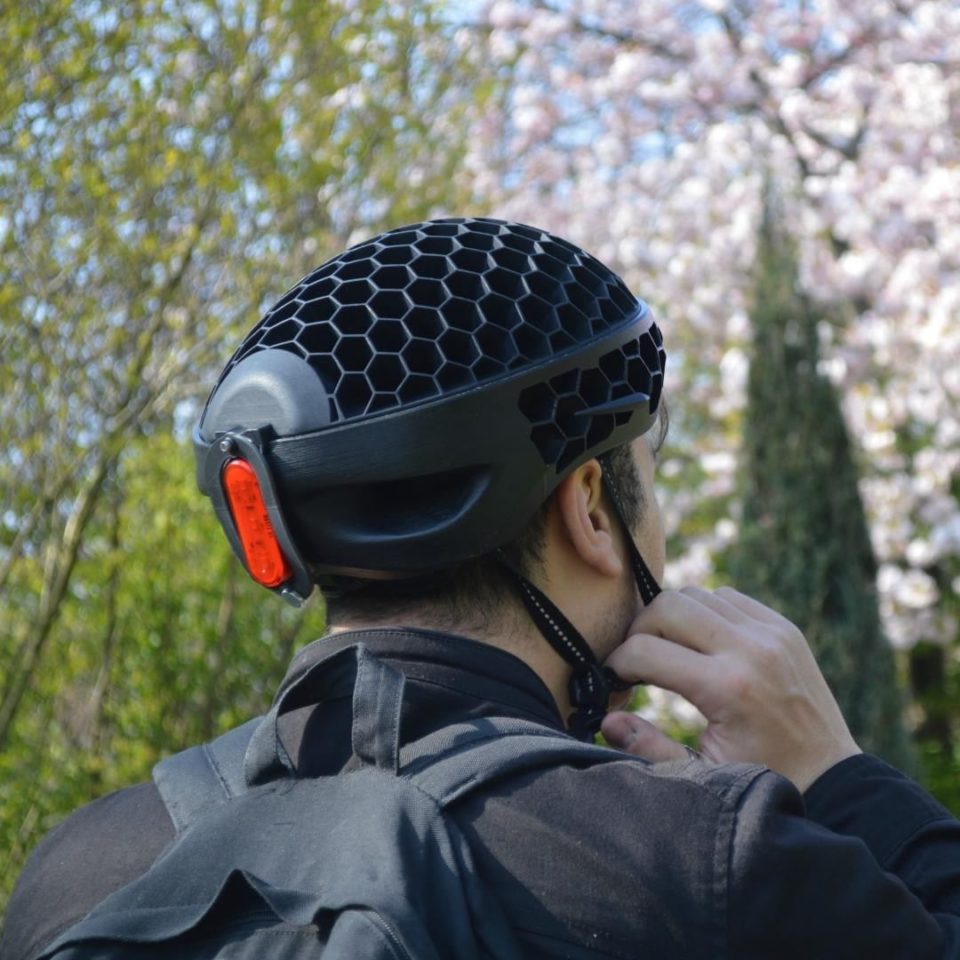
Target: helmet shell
<point>423,393</point>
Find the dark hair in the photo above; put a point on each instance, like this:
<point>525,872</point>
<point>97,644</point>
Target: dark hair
<point>467,594</point>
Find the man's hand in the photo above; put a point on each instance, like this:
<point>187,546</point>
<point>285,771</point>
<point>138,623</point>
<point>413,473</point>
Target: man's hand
<point>747,669</point>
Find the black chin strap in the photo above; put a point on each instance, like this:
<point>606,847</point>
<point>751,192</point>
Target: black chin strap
<point>590,683</point>
<point>646,582</point>
<point>589,686</point>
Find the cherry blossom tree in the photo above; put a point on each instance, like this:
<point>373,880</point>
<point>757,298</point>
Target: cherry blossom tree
<point>646,132</point>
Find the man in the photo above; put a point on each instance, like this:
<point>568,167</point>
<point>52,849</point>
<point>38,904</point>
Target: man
<point>452,428</point>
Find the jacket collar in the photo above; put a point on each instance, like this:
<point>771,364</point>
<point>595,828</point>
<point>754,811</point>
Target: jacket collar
<point>450,679</point>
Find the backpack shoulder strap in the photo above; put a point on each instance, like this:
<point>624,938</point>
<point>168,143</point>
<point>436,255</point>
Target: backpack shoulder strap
<point>460,759</point>
<point>195,779</point>
<point>192,782</point>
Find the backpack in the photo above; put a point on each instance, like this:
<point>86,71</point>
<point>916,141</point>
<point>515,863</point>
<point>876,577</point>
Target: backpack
<point>363,864</point>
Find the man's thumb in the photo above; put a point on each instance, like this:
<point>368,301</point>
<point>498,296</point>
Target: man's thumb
<point>635,735</point>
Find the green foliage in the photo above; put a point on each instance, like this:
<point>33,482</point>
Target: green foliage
<point>167,171</point>
<point>161,641</point>
<point>935,685</point>
<point>941,772</point>
<point>804,546</point>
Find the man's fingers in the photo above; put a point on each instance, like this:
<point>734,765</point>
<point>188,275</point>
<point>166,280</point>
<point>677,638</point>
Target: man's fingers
<point>641,738</point>
<point>684,620</point>
<point>645,658</point>
<point>749,606</point>
<point>718,604</point>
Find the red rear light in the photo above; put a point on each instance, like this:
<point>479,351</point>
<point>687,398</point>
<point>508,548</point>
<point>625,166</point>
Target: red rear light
<point>265,560</point>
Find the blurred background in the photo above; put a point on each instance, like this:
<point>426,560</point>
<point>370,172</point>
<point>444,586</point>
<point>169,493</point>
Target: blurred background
<point>780,179</point>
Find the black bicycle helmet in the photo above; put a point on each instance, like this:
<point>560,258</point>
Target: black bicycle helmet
<point>412,402</point>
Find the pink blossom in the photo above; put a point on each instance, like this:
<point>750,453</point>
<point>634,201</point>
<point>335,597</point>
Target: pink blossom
<point>648,139</point>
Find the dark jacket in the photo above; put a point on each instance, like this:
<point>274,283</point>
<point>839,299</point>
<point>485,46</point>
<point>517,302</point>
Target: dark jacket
<point>622,860</point>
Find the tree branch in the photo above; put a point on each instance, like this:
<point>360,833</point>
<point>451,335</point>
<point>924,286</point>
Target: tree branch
<point>620,36</point>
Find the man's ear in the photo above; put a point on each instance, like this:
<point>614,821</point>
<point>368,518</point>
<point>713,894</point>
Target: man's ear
<point>585,519</point>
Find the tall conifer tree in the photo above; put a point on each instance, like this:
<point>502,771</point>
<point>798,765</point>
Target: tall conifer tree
<point>804,546</point>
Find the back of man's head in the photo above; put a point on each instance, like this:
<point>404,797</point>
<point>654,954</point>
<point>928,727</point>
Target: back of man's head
<point>404,413</point>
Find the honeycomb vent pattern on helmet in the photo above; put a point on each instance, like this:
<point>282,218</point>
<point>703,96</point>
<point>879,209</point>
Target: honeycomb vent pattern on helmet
<point>559,410</point>
<point>437,307</point>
